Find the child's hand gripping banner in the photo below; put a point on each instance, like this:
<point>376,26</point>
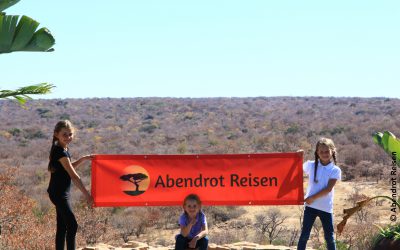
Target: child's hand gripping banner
<point>163,180</point>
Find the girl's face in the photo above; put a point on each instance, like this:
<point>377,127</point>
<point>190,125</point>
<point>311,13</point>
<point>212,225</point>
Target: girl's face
<point>192,208</point>
<point>325,154</point>
<point>64,137</point>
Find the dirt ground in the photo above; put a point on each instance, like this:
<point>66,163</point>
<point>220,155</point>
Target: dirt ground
<point>378,212</point>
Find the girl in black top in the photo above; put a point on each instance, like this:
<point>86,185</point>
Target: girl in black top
<point>62,172</point>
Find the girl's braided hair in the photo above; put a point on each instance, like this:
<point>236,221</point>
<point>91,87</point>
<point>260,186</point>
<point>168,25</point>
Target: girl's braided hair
<point>329,143</point>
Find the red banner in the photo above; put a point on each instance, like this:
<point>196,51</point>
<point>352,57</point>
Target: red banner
<point>163,180</point>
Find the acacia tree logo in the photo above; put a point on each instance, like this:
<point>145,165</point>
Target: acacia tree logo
<point>135,179</point>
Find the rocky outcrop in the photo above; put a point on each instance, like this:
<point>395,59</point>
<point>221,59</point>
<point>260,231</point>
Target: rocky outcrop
<point>135,245</point>
<point>246,246</point>
<point>131,245</point>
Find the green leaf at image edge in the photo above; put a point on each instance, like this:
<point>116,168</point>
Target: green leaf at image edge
<point>4,4</point>
<point>21,36</point>
<point>389,143</point>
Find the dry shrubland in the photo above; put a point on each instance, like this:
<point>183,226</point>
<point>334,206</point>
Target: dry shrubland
<point>177,126</point>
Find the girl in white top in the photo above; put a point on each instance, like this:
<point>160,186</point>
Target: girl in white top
<point>323,175</point>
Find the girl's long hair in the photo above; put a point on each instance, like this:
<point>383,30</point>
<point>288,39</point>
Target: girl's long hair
<point>329,143</point>
<point>60,125</point>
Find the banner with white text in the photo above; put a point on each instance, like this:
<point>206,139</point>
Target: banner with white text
<point>229,179</point>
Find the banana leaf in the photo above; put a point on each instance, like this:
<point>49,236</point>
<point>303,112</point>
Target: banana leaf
<point>4,4</point>
<point>389,143</point>
<point>22,35</point>
<point>19,34</point>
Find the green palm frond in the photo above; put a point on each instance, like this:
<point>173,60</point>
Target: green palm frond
<point>4,4</point>
<point>19,34</point>
<point>22,94</point>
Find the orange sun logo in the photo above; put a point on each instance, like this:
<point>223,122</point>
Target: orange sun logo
<point>136,180</point>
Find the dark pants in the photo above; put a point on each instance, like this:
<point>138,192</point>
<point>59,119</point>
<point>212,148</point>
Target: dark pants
<point>310,214</point>
<point>66,223</point>
<point>182,243</point>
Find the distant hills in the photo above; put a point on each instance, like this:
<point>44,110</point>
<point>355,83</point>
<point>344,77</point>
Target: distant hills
<point>201,125</point>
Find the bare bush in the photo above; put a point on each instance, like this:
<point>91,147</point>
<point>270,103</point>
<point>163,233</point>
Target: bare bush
<point>293,233</point>
<point>367,214</point>
<point>139,219</point>
<point>316,229</point>
<point>225,237</point>
<point>93,224</point>
<point>217,214</point>
<point>358,238</point>
<point>269,223</point>
<point>169,218</point>
<point>125,227</point>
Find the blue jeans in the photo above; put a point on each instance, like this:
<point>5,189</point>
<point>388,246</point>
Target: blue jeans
<point>310,214</point>
<point>182,243</point>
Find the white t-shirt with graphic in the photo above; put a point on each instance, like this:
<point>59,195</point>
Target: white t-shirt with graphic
<point>324,174</point>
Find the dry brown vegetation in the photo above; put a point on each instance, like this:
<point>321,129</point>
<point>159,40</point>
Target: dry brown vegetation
<point>184,126</point>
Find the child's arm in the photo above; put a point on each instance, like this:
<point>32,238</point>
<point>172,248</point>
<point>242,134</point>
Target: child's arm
<point>323,192</point>
<point>66,163</point>
<point>78,162</point>
<point>185,230</point>
<point>203,233</point>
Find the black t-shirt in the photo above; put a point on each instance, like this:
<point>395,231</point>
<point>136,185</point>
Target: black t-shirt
<point>60,181</point>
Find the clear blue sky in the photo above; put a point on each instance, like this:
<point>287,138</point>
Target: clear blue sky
<point>212,48</point>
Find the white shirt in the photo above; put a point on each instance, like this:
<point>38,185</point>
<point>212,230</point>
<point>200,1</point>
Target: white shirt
<point>324,174</point>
